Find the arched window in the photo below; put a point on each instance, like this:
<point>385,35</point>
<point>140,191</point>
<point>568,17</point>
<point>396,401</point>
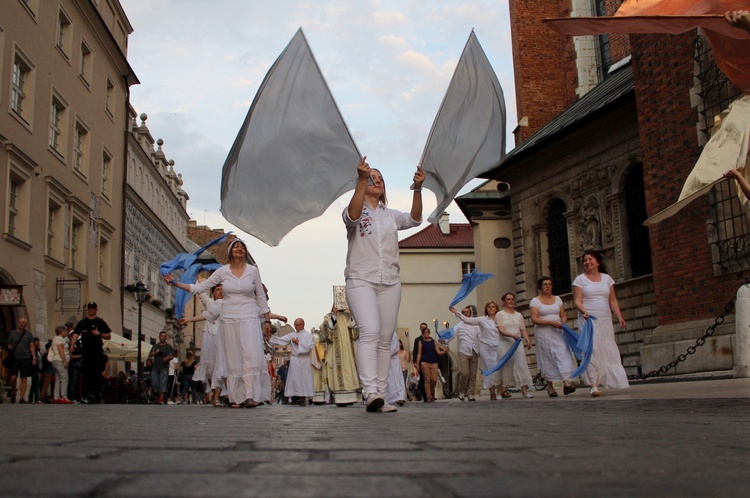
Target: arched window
<point>635,207</point>
<point>558,249</point>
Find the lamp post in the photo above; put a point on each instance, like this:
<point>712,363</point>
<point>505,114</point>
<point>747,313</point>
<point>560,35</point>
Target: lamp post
<point>140,296</point>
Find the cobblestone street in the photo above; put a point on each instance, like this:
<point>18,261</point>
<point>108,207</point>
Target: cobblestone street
<point>662,439</point>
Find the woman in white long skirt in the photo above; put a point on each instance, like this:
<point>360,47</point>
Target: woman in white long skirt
<point>489,338</point>
<point>240,323</point>
<point>516,371</point>
<point>594,294</point>
<point>553,355</point>
<point>210,369</point>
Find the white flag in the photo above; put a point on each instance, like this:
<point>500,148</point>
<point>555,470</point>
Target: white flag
<point>293,155</point>
<point>468,135</point>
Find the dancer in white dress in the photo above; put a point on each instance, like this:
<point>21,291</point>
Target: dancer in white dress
<point>516,371</point>
<point>553,356</point>
<point>594,294</point>
<point>243,306</point>
<point>489,338</point>
<point>211,369</point>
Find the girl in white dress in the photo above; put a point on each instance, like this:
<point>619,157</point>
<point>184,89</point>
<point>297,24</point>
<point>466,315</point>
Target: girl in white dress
<point>594,294</point>
<point>212,369</point>
<point>552,353</point>
<point>516,371</point>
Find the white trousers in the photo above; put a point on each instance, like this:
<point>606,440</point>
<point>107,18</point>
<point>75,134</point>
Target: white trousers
<point>375,309</point>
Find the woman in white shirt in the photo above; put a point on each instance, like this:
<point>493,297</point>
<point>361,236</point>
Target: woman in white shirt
<point>373,287</point>
<point>594,294</point>
<point>60,358</point>
<point>489,338</point>
<point>241,309</point>
<point>553,357</point>
<point>516,371</point>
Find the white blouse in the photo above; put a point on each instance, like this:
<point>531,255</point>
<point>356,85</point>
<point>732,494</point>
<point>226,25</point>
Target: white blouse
<point>244,298</point>
<point>372,255</point>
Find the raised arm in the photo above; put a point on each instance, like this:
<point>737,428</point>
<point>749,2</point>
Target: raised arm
<point>416,199</point>
<point>358,198</point>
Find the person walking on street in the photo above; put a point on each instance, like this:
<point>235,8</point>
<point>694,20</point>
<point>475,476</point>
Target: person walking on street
<point>373,285</point>
<point>161,354</point>
<point>60,357</point>
<point>93,331</point>
<point>21,348</point>
<point>468,356</point>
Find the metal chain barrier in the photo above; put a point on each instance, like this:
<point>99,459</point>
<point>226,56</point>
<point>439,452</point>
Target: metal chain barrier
<point>699,342</point>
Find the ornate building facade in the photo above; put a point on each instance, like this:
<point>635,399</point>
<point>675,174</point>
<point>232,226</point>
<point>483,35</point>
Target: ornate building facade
<point>609,129</point>
<point>156,223</point>
<point>64,80</point>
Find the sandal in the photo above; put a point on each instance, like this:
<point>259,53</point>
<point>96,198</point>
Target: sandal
<point>218,404</point>
<point>506,395</point>
<point>569,390</point>
<point>249,403</point>
<point>235,405</point>
<point>552,394</point>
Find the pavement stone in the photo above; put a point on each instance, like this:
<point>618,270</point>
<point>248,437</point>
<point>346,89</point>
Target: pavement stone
<point>654,439</point>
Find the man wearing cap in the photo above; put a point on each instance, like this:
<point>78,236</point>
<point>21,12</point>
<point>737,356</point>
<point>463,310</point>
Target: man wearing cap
<point>93,331</point>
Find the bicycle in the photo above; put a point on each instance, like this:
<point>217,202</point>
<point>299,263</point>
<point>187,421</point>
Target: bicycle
<point>540,383</point>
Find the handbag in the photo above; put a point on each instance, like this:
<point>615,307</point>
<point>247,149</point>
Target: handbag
<point>10,359</point>
<point>50,354</point>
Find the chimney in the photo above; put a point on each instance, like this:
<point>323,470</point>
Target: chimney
<point>444,224</point>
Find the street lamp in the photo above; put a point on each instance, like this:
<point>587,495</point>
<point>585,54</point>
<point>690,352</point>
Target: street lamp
<point>140,296</point>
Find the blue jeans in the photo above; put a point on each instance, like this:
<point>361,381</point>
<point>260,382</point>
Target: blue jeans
<point>189,384</point>
<point>159,380</point>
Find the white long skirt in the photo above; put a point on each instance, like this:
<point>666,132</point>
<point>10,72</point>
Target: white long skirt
<point>487,360</point>
<point>516,371</point>
<point>205,370</point>
<point>242,344</point>
<point>553,357</point>
<point>605,368</point>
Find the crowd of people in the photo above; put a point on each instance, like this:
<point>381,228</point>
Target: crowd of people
<point>356,355</point>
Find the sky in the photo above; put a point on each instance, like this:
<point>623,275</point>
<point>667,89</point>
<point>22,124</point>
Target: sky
<point>388,65</point>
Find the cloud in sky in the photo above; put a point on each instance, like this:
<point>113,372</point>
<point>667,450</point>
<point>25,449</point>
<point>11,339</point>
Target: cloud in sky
<point>388,64</point>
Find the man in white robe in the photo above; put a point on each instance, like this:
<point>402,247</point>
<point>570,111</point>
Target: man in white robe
<point>299,380</point>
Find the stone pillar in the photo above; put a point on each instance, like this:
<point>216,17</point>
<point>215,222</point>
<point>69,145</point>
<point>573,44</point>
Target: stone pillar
<point>741,349</point>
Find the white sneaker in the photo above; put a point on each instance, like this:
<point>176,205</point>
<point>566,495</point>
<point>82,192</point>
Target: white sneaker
<point>374,402</point>
<point>528,395</point>
<point>387,408</point>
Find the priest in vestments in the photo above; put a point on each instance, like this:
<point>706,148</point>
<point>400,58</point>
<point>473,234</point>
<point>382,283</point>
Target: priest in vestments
<point>339,331</point>
<point>299,380</point>
<point>320,380</point>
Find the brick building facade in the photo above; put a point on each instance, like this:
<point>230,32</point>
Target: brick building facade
<point>609,129</point>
